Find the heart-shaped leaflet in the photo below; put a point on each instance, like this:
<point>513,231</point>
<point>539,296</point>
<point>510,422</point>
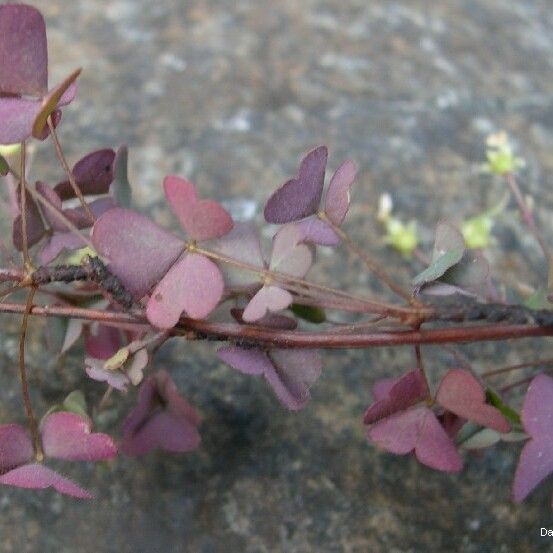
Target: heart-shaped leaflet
<point>536,458</point>
<point>460,393</point>
<point>299,197</point>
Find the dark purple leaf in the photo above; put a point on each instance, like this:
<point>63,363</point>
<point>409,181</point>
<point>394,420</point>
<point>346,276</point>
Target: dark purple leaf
<point>93,174</point>
<point>247,361</point>
<point>397,394</point>
<point>16,447</point>
<point>300,196</point>
<point>34,224</point>
<point>23,51</point>
<point>161,418</point>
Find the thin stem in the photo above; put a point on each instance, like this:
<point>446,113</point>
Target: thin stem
<point>33,425</point>
<point>527,215</point>
<point>364,304</point>
<point>23,204</point>
<point>370,263</point>
<point>59,214</point>
<point>296,339</point>
<point>502,370</point>
<point>68,172</point>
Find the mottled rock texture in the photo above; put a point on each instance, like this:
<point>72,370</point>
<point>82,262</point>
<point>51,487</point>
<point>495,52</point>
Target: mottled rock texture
<point>231,93</point>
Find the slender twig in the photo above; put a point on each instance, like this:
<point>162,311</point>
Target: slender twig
<point>33,425</point>
<point>297,339</point>
<point>527,215</point>
<point>68,172</point>
<point>528,364</point>
<point>23,204</point>
<point>370,263</point>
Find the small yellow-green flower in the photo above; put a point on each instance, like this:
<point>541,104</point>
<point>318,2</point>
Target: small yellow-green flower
<point>401,236</point>
<point>500,155</point>
<point>477,231</point>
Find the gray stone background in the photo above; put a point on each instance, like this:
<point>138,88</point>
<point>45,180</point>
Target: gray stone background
<point>230,94</point>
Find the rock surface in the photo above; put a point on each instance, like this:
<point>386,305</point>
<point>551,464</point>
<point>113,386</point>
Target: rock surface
<point>230,94</point>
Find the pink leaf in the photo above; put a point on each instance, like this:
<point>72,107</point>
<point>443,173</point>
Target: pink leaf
<point>462,394</point>
<point>57,243</point>
<point>140,252</point>
<point>16,447</point>
<point>314,230</point>
<point>247,361</point>
<point>395,395</point>
<point>300,196</point>
<point>23,51</point>
<point>95,369</point>
<point>536,459</point>
<point>293,373</point>
<point>161,418</point>
<point>337,196</point>
<point>39,477</point>
<point>102,341</point>
<point>66,435</point>
<point>194,284</point>
<point>268,298</point>
<point>241,244</point>
<point>289,255</point>
<point>418,430</point>
<point>202,219</point>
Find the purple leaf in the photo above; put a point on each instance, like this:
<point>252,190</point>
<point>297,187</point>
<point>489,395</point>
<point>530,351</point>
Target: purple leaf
<point>289,373</point>
<point>418,430</point>
<point>93,174</point>
<point>460,393</point>
<point>94,368</point>
<point>300,196</point>
<point>314,230</point>
<point>34,224</point>
<point>242,244</point>
<point>397,394</point>
<point>140,252</point>
<point>536,459</point>
<point>337,196</point>
<point>16,447</point>
<point>57,243</point>
<point>161,418</point>
<point>67,436</point>
<point>294,373</point>
<point>271,320</point>
<point>202,219</point>
<point>289,255</point>
<point>39,477</point>
<point>268,298</point>
<point>247,361</point>
<point>23,51</point>
<point>194,284</point>
<point>102,341</point>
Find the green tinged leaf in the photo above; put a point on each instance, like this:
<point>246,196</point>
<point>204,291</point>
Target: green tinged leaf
<point>509,413</point>
<point>4,167</point>
<point>437,268</point>
<point>309,313</point>
<point>76,403</point>
<point>121,187</point>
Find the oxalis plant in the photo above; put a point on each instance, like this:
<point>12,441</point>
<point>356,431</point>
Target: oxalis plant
<point>80,254</point>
